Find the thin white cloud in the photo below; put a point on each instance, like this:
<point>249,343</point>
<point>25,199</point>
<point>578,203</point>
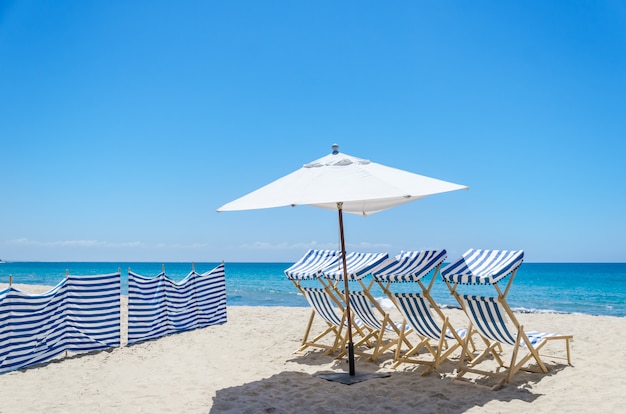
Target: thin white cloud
<point>24,242</point>
<point>72,243</point>
<point>369,245</point>
<point>259,245</point>
<point>182,246</point>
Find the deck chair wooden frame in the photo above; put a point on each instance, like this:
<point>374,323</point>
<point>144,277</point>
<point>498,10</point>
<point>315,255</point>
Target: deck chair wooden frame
<point>420,311</point>
<point>492,318</point>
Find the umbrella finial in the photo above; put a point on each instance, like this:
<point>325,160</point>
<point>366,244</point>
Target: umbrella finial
<point>335,148</point>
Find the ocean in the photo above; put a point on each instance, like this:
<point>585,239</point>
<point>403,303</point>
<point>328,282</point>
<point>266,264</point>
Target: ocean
<point>588,288</point>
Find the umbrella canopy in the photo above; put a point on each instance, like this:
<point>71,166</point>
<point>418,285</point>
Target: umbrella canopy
<point>363,187</point>
<point>343,183</point>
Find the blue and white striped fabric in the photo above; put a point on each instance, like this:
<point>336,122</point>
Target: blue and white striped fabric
<point>416,310</point>
<point>364,312</point>
<point>359,265</point>
<point>362,308</point>
<point>409,266</point>
<point>320,301</point>
<point>158,306</point>
<point>311,264</point>
<point>483,266</point>
<point>80,314</point>
<point>489,318</point>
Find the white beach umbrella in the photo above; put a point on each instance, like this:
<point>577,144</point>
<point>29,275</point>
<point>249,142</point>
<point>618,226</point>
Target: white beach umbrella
<point>344,183</point>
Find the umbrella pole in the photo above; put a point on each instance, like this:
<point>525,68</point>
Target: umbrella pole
<point>347,290</point>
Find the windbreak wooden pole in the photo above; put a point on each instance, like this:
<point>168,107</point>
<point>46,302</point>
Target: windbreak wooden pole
<point>347,291</point>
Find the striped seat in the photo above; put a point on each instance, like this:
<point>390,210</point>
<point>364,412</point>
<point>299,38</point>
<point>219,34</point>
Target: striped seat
<point>320,300</point>
<point>491,317</point>
<point>431,326</point>
<point>376,322</point>
<point>416,309</point>
<point>329,309</point>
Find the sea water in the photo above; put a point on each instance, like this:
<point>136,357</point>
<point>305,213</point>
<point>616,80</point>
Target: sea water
<point>589,288</point>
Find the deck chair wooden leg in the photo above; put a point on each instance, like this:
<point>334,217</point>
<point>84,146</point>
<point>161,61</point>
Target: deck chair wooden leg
<point>399,359</point>
<point>306,333</point>
<point>513,368</point>
<point>401,332</point>
<point>380,346</point>
<point>493,348</point>
<point>469,344</point>
<point>399,345</point>
<point>465,344</point>
<point>340,339</point>
<point>440,346</point>
<point>402,337</point>
<point>533,351</point>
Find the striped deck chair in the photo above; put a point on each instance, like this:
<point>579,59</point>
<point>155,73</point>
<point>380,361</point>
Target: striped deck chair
<point>324,306</point>
<point>419,309</point>
<point>323,300</point>
<point>377,325</point>
<point>416,309</point>
<point>491,316</point>
<point>375,322</point>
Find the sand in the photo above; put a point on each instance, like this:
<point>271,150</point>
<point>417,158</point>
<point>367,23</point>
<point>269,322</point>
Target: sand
<point>248,366</point>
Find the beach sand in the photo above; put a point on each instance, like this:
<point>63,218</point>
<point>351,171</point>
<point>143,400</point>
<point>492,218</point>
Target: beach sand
<point>248,366</point>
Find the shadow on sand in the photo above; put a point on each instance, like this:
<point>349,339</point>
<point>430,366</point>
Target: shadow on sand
<point>403,391</point>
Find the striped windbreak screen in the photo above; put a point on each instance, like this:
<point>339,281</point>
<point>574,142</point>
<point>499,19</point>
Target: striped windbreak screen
<point>158,306</point>
<point>80,314</point>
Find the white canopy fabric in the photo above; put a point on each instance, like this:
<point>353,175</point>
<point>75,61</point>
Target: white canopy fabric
<point>362,186</point>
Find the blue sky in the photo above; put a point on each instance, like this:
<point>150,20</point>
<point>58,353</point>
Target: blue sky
<point>125,125</point>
